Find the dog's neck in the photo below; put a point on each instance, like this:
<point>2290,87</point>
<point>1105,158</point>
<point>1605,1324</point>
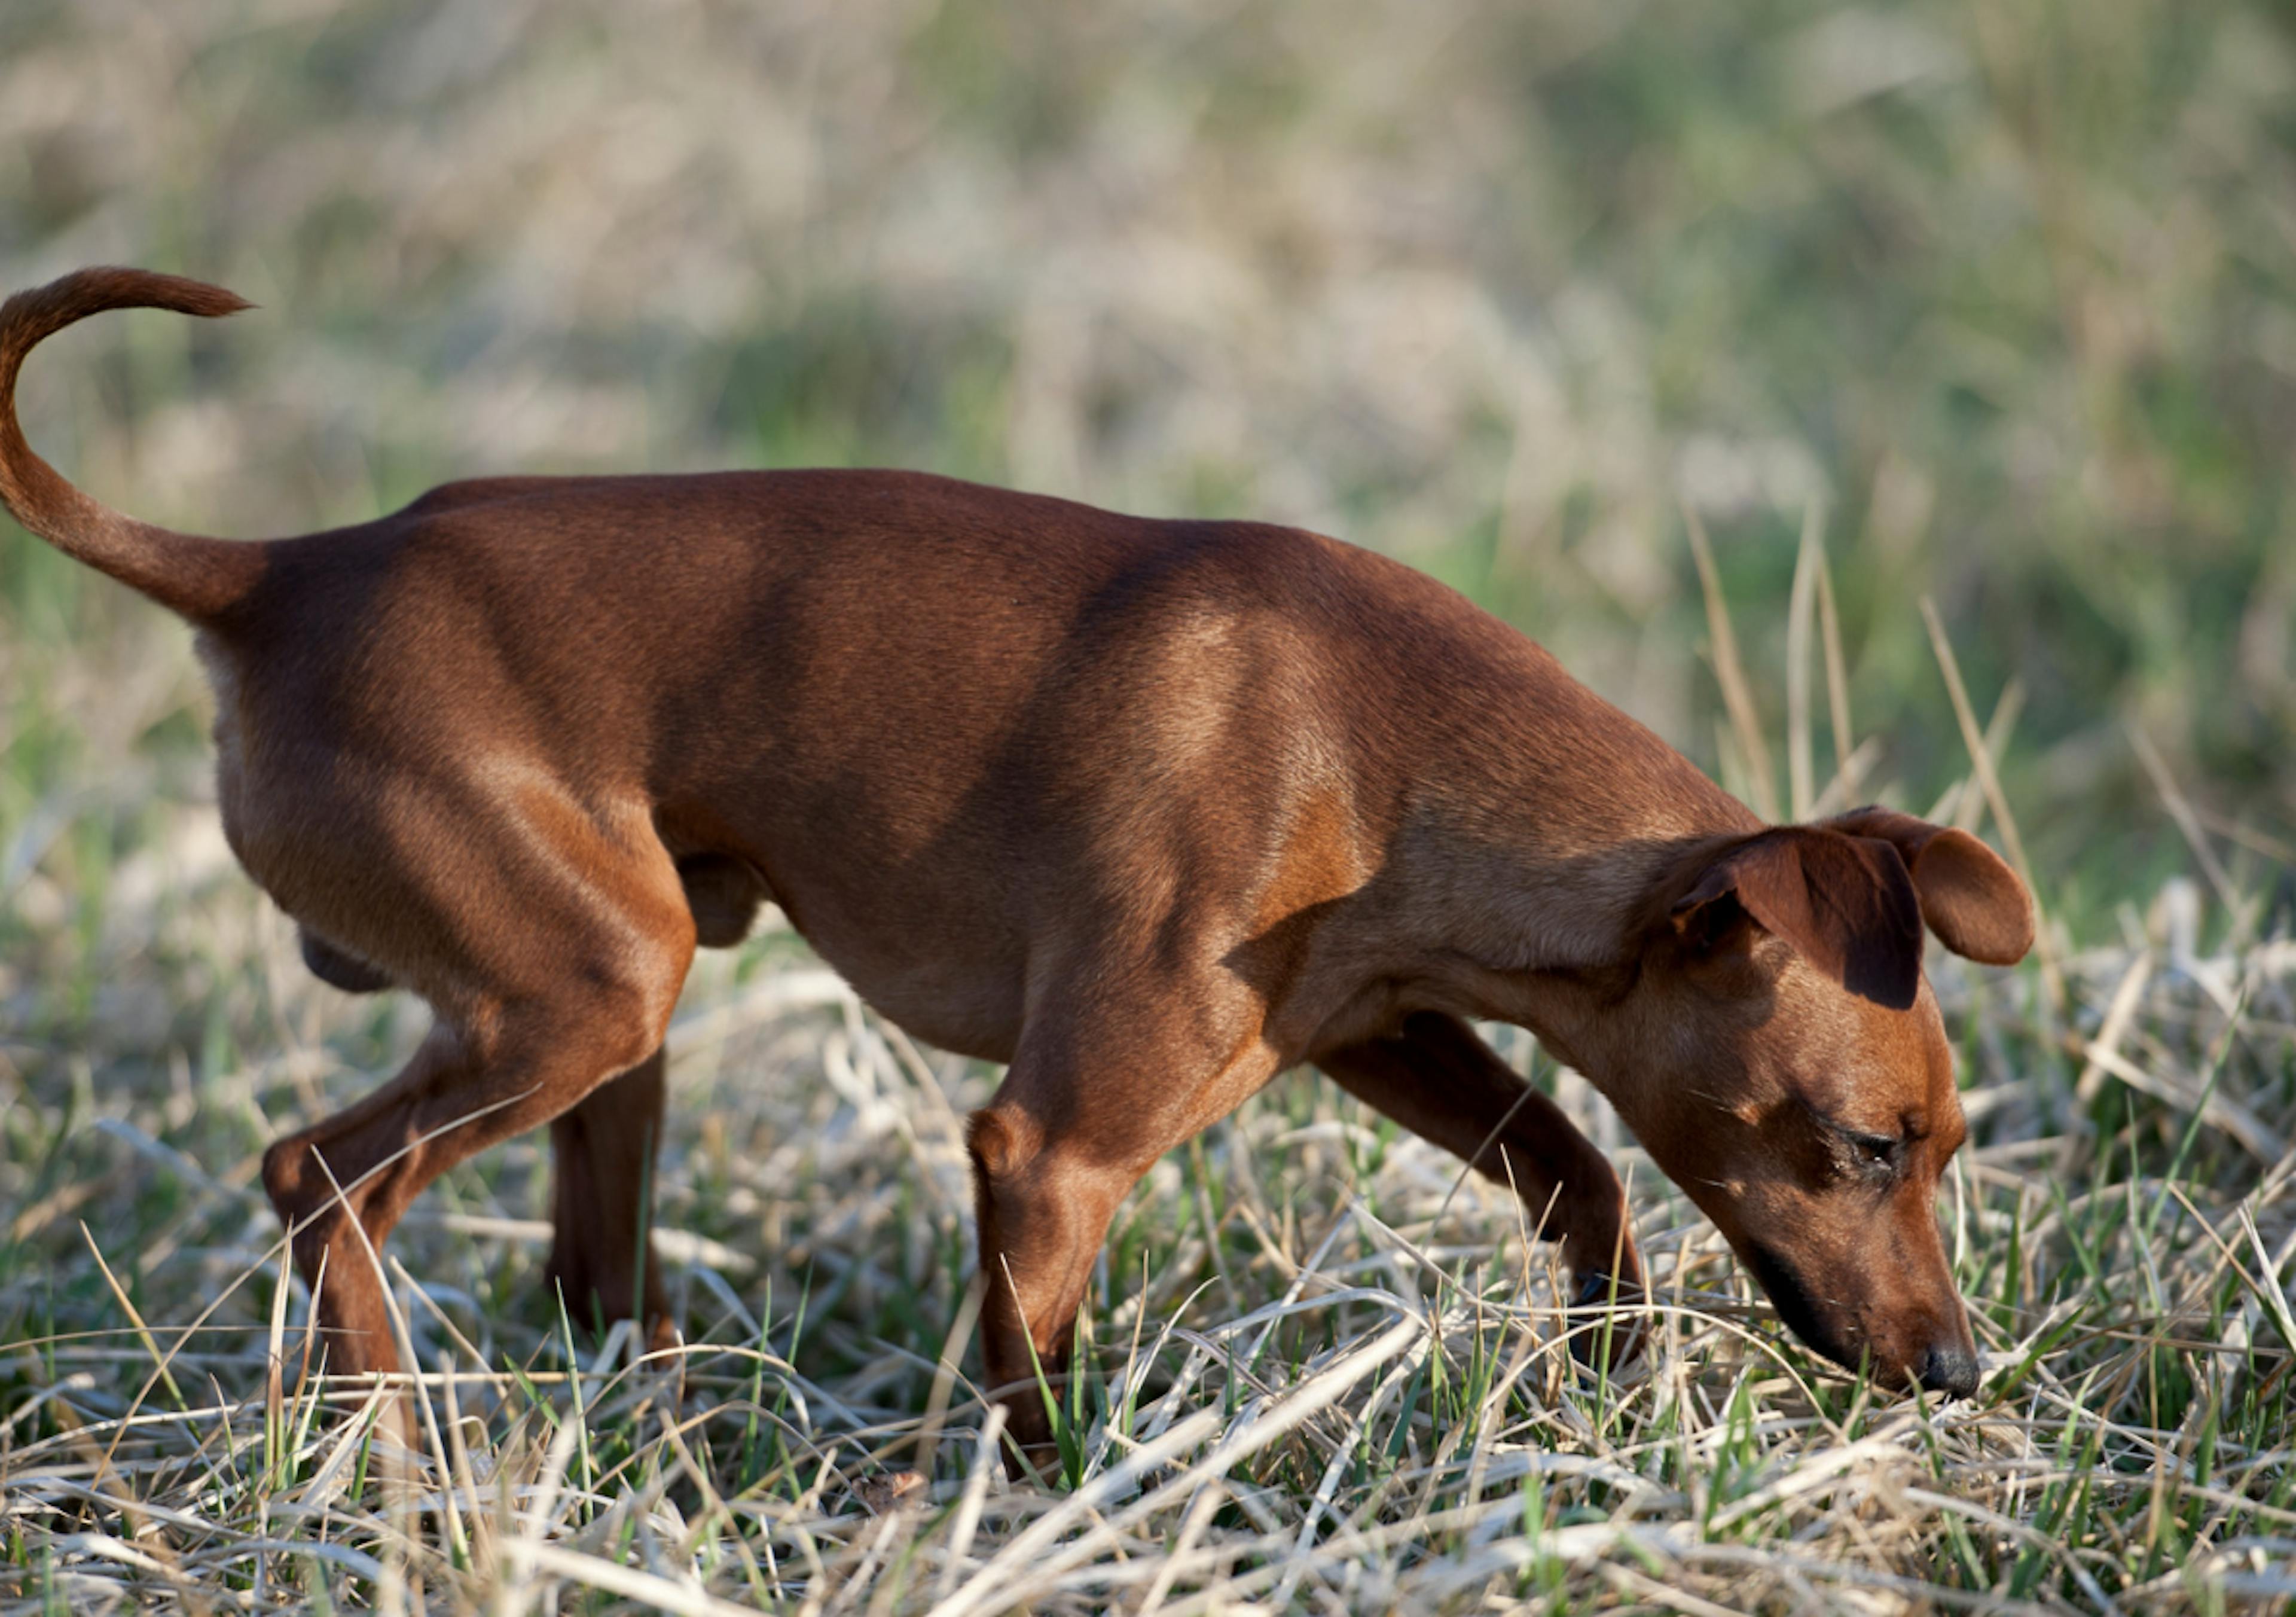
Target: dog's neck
<point>1526,862</point>
<point>1541,848</point>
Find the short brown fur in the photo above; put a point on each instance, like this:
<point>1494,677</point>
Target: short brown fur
<point>1148,810</point>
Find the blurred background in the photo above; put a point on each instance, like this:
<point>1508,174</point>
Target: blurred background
<point>2005,294</point>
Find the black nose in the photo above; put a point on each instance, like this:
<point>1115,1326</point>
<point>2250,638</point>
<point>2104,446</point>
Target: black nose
<point>1949,1369</point>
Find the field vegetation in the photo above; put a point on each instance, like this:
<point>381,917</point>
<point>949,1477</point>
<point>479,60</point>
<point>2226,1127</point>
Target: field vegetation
<point>1881,401</point>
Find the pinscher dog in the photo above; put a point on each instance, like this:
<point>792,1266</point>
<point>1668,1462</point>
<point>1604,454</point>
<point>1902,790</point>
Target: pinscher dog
<point>1148,811</point>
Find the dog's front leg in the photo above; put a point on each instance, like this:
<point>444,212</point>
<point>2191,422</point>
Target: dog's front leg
<point>1085,1111</point>
<point>1437,1078</point>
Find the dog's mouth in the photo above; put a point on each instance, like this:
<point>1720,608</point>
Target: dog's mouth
<point>1795,1306</point>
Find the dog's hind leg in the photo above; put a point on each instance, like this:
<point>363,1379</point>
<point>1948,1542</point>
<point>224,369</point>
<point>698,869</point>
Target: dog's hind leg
<point>552,948</point>
<point>604,1150</point>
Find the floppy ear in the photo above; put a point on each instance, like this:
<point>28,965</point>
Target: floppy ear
<point>1847,904</point>
<point>1972,901</point>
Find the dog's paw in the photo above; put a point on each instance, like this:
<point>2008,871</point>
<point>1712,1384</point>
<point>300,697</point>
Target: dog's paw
<point>1606,1328</point>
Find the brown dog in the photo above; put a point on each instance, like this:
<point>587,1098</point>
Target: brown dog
<point>1149,811</point>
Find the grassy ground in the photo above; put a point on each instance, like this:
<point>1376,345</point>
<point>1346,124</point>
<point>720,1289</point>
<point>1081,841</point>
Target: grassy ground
<point>2002,294</point>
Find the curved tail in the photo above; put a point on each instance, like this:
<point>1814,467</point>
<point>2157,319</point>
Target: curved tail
<point>199,578</point>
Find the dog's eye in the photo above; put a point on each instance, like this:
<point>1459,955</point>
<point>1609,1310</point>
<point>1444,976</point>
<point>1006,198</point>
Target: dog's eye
<point>1876,1152</point>
<point>1857,1153</point>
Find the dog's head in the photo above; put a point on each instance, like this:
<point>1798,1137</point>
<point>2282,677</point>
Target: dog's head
<point>1784,1062</point>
